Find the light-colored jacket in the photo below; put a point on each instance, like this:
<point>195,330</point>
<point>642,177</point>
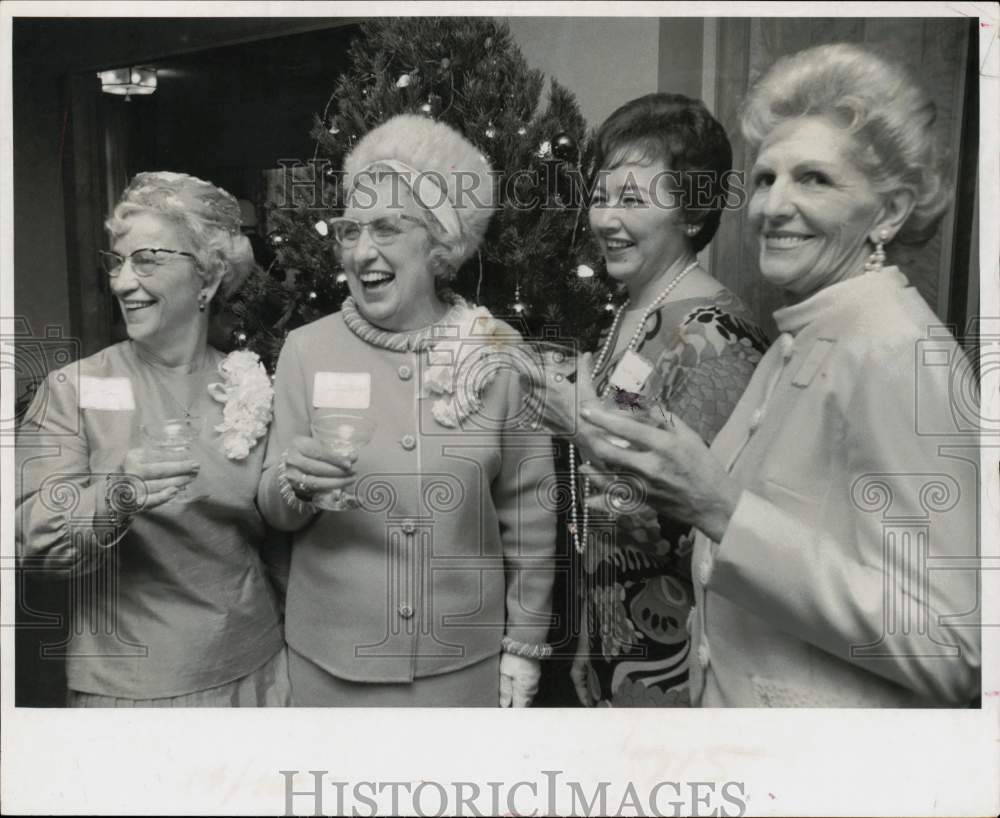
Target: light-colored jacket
<point>452,547</point>
<point>847,574</point>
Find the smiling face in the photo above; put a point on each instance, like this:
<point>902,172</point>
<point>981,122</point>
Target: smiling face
<point>160,310</point>
<point>811,206</point>
<point>635,219</point>
<point>392,284</point>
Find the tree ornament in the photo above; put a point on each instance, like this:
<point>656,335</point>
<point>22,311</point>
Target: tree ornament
<point>341,277</point>
<point>584,271</point>
<point>564,147</point>
<point>545,150</point>
<point>488,42</point>
<point>445,63</point>
<point>404,81</point>
<point>522,131</point>
<point>433,105</point>
<point>276,239</point>
<point>518,307</point>
<point>312,296</point>
<point>322,228</point>
<point>490,131</point>
<point>333,126</point>
<point>240,338</point>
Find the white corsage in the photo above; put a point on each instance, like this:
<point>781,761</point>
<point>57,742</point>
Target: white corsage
<point>247,394</point>
<point>461,366</point>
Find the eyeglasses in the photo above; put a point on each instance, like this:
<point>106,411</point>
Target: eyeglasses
<point>145,261</point>
<point>383,230</point>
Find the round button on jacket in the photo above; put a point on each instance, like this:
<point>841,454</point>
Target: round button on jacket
<point>705,571</point>
<point>405,372</point>
<point>704,656</point>
<point>408,442</point>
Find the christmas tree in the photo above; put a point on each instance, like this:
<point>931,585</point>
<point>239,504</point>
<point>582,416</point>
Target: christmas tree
<point>537,267</point>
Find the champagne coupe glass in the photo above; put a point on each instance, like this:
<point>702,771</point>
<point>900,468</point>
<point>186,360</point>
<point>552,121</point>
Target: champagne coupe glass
<point>341,434</point>
<point>173,439</point>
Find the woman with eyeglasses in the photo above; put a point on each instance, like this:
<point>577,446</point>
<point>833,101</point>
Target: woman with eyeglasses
<point>421,567</point>
<point>139,466</point>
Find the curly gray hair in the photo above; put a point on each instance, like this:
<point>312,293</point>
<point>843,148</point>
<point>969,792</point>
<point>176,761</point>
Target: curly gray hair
<point>889,115</point>
<point>207,214</point>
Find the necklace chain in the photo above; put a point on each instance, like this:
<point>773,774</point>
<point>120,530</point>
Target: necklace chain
<point>580,533</point>
<point>156,367</point>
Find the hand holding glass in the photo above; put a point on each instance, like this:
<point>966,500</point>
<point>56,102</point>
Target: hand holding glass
<point>172,440</point>
<point>343,435</point>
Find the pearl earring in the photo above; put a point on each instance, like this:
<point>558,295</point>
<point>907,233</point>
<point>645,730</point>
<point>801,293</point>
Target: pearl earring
<point>692,230</point>
<point>875,260</point>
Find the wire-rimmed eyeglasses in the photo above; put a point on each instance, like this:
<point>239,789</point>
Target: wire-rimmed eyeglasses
<point>145,261</point>
<point>383,230</point>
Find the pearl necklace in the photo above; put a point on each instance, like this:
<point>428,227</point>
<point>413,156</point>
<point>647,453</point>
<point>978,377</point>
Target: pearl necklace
<point>580,535</point>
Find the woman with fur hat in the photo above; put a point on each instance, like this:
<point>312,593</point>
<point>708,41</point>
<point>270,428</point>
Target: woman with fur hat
<point>421,566</point>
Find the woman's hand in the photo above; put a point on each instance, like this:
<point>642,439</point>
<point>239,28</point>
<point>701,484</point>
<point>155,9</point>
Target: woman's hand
<point>580,672</point>
<point>679,476</point>
<point>161,479</point>
<point>518,680</point>
<point>311,468</point>
<point>557,401</point>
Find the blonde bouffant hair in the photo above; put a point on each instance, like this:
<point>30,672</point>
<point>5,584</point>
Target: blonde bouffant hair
<point>874,99</point>
<point>442,154</point>
<point>207,214</point>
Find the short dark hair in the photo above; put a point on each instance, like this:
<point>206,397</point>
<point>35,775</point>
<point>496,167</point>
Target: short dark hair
<point>681,133</point>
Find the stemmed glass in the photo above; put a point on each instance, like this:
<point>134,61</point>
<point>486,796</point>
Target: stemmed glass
<point>172,439</point>
<point>341,434</point>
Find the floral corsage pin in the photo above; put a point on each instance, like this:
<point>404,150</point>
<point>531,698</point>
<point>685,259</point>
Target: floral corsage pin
<point>247,395</point>
<point>461,367</point>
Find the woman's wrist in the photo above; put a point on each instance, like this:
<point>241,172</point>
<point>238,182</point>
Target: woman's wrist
<point>715,519</point>
<point>288,493</point>
<point>118,502</point>
<point>526,650</point>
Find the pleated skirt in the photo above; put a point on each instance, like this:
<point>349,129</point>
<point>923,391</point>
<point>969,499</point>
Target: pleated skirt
<point>477,685</point>
<point>267,686</point>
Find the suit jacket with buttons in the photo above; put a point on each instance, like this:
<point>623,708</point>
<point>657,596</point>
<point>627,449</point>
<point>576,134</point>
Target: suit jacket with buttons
<point>847,574</point>
<point>451,548</point>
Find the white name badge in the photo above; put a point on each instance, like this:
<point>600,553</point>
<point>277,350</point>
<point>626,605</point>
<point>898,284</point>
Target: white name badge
<point>342,390</point>
<point>631,373</point>
<point>114,394</point>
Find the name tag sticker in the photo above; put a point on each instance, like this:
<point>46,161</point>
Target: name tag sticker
<point>631,373</point>
<point>113,394</point>
<point>342,390</point>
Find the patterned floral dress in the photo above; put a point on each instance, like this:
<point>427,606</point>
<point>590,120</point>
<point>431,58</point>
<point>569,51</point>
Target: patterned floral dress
<point>637,585</point>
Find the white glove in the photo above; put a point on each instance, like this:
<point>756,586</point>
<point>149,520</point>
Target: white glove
<point>518,680</point>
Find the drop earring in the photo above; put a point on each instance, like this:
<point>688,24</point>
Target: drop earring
<point>692,230</point>
<point>876,259</point>
<point>202,301</point>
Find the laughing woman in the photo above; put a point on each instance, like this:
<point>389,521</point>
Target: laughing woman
<point>140,467</point>
<point>425,580</point>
